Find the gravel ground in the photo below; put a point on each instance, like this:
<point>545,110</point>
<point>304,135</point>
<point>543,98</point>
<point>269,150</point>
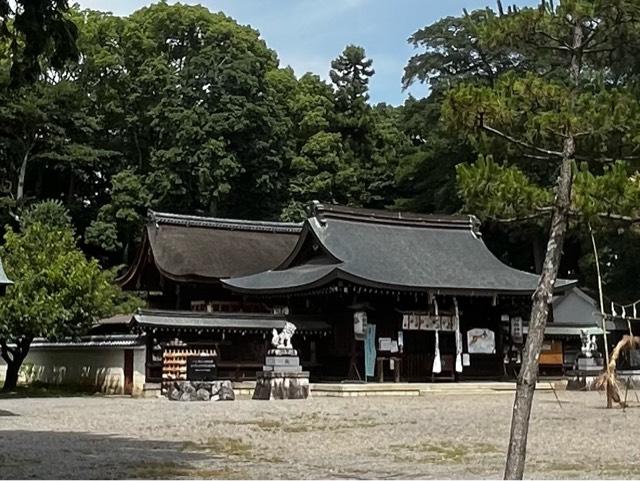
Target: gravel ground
<point>432,436</point>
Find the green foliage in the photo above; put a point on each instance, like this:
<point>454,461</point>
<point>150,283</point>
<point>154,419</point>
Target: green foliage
<point>177,108</point>
<point>425,177</point>
<point>614,191</point>
<point>490,190</point>
<point>119,221</point>
<point>51,213</point>
<point>510,71</point>
<point>350,73</point>
<point>459,49</point>
<point>347,150</point>
<point>57,291</point>
<point>33,29</point>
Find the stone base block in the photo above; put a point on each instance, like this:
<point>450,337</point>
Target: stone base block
<point>279,351</point>
<point>281,385</point>
<point>199,390</point>
<point>590,363</point>
<point>282,361</point>
<point>282,368</point>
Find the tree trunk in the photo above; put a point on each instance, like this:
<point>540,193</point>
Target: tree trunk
<point>543,295</point>
<point>14,356</point>
<point>11,378</point>
<point>22,174</point>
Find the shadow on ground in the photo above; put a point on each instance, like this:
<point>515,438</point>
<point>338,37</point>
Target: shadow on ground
<point>78,455</point>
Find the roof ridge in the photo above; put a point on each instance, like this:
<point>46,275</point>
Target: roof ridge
<point>206,314</point>
<point>222,223</point>
<point>333,211</point>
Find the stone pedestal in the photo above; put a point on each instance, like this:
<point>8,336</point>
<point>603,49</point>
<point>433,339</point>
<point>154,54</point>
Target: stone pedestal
<point>281,385</point>
<point>282,377</point>
<point>586,374</point>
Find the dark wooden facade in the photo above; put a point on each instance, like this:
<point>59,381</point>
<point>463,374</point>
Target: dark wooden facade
<point>388,264</point>
<point>178,270</point>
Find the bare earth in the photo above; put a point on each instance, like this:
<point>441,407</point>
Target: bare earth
<point>432,436</point>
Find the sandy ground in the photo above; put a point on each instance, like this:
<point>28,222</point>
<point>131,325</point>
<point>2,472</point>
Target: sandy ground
<point>432,436</point>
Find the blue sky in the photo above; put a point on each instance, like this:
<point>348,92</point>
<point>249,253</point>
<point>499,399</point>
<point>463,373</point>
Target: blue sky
<point>308,34</point>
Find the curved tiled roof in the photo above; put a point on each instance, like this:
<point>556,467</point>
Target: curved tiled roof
<point>206,249</point>
<point>392,250</point>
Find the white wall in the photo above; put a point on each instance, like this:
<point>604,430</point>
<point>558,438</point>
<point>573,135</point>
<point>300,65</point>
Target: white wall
<point>99,367</point>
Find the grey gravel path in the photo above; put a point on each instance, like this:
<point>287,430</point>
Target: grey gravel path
<point>432,436</point>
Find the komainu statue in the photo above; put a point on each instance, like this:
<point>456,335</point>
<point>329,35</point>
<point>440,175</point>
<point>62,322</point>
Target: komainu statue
<point>282,340</point>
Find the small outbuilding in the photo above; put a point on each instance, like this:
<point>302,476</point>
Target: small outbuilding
<point>574,313</point>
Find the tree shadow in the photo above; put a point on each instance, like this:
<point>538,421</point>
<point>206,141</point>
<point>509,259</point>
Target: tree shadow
<point>78,455</point>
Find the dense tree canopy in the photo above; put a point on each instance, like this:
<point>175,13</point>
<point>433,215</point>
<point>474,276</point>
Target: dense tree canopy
<point>177,108</point>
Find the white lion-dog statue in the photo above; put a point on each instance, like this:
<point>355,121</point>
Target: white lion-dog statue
<point>282,340</point>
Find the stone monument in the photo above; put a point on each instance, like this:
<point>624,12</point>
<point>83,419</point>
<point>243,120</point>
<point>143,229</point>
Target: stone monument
<point>282,376</point>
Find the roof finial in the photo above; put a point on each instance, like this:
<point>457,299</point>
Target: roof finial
<point>314,209</point>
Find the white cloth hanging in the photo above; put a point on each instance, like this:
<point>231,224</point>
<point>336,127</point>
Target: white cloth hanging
<point>458,334</point>
<point>437,365</point>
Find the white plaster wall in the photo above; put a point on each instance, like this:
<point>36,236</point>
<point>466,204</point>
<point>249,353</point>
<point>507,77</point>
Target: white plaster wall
<point>102,368</point>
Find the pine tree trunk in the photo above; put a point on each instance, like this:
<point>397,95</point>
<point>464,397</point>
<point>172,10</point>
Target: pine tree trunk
<point>543,295</point>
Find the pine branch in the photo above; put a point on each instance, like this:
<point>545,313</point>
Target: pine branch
<point>545,211</point>
<point>515,141</point>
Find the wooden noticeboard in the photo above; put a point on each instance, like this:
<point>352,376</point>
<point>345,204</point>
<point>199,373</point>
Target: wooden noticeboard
<point>202,368</point>
<point>551,354</point>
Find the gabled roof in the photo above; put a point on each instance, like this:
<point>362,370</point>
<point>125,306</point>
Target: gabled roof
<point>188,248</point>
<point>391,250</point>
<point>4,280</point>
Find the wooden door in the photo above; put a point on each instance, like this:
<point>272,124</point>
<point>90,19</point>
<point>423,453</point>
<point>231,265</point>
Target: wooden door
<point>128,371</point>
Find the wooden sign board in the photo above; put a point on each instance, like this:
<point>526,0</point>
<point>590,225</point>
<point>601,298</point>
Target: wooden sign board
<point>201,368</point>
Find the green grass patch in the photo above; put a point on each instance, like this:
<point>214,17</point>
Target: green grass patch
<point>309,423</point>
<point>442,452</point>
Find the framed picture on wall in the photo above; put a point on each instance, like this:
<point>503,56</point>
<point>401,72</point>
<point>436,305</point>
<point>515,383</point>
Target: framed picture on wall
<point>481,341</point>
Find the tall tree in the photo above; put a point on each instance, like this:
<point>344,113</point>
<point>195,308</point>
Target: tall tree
<point>569,106</point>
<point>371,139</point>
<point>34,29</point>
<point>46,132</point>
<point>350,73</point>
<point>198,108</point>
